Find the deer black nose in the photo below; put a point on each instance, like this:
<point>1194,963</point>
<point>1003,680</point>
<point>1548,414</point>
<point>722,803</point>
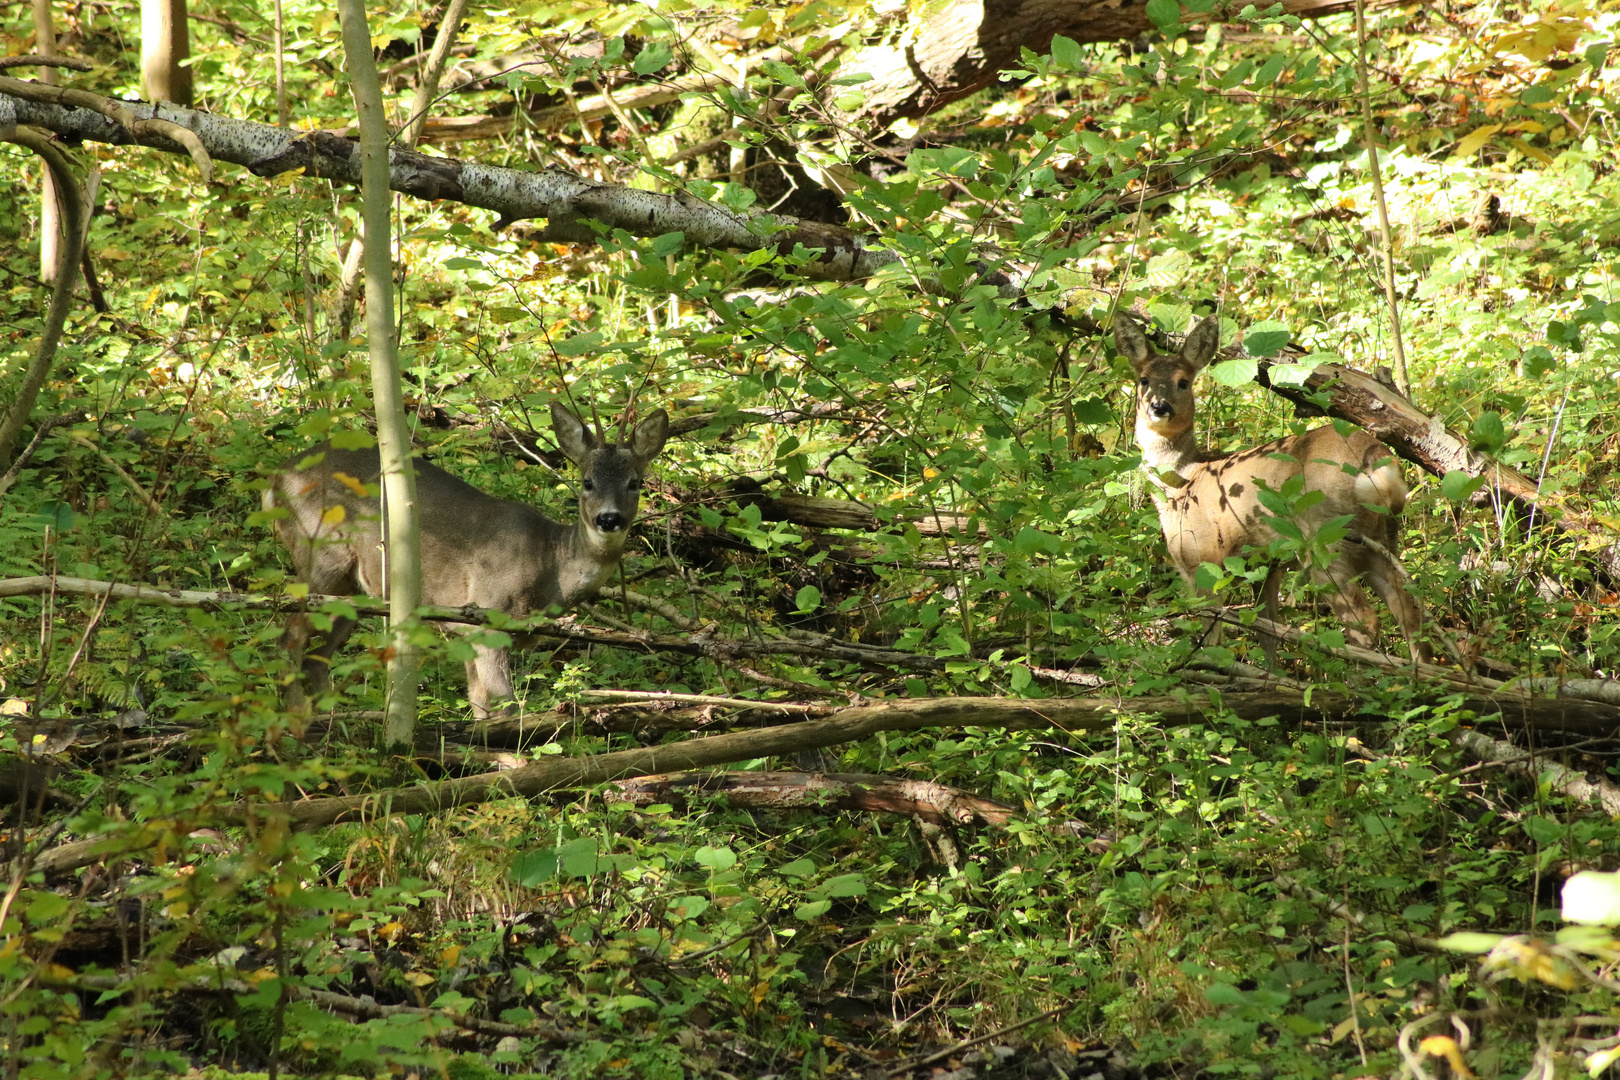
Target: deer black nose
<point>610,521</point>
<point>1160,409</point>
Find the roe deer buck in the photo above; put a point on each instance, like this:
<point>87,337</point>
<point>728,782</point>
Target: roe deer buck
<point>1216,512</point>
<point>476,549</point>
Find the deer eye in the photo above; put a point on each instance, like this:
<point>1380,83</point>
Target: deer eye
<point>635,485</point>
<point>1183,384</point>
<point>589,484</point>
<point>1143,380</point>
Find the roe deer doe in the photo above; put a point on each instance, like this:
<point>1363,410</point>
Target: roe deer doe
<point>476,549</point>
<point>1216,512</point>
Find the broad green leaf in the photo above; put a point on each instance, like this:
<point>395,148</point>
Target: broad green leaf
<point>715,859</point>
<point>1067,54</point>
<point>1094,411</point>
<point>1488,433</point>
<point>1165,14</point>
<point>1457,485</point>
<point>1289,374</point>
<point>1167,271</point>
<point>1237,372</point>
<point>1266,338</point>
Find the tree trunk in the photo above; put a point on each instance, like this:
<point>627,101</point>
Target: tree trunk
<point>72,208</point>
<point>165,44</point>
<point>959,46</point>
<point>50,219</point>
<point>404,568</point>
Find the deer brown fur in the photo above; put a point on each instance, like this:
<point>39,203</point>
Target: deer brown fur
<point>1216,511</point>
<point>476,549</point>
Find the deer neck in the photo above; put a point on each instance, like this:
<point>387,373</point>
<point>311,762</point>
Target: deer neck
<point>589,558</point>
<point>1164,452</point>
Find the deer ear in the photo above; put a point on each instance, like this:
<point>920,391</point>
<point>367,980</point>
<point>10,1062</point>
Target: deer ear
<point>1199,348</point>
<point>1132,342</point>
<point>573,436</point>
<point>649,436</point>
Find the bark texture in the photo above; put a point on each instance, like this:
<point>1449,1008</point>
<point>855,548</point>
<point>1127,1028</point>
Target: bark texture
<point>165,43</point>
<point>955,47</point>
<point>565,199</point>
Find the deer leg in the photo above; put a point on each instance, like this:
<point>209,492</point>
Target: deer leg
<point>1384,575</point>
<point>330,570</point>
<point>489,678</point>
<point>1269,591</point>
<point>1348,600</point>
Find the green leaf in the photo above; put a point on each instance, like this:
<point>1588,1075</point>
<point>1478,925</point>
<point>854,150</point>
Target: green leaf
<point>1094,411</point>
<point>45,906</point>
<point>844,885</point>
<point>1167,271</point>
<point>798,868</point>
<point>1165,14</point>
<point>1066,53</point>
<point>1487,433</point>
<point>1270,70</point>
<point>668,244</point>
<point>1289,374</point>
<point>1543,830</point>
<point>1239,372</point>
<point>1467,942</point>
<point>584,344</point>
<point>808,599</point>
<point>689,907</point>
<point>654,56</point>
<point>1266,338</point>
<point>1034,542</point>
<point>352,440</point>
<point>815,909</point>
<point>1458,486</point>
<point>715,859</point>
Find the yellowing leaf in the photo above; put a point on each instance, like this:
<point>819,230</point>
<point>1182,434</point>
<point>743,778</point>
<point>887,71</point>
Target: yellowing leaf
<point>1444,1046</point>
<point>418,978</point>
<point>449,956</point>
<point>14,707</point>
<point>1526,959</point>
<point>1531,151</point>
<point>351,483</point>
<point>1596,1063</point>
<point>1475,139</point>
<point>334,516</point>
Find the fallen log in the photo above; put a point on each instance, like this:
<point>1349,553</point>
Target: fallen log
<point>933,803</point>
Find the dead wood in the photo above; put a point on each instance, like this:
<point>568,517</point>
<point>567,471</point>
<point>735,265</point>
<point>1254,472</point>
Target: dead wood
<point>1073,715</point>
<point>359,1008</point>
<point>801,645</point>
<point>933,803</point>
<point>1539,768</point>
<point>1589,706</point>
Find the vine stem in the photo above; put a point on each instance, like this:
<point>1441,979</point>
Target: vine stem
<point>1386,239</point>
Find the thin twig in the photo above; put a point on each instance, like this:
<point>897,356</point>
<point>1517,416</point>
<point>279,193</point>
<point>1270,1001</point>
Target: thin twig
<point>968,1044</point>
<point>1387,239</point>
